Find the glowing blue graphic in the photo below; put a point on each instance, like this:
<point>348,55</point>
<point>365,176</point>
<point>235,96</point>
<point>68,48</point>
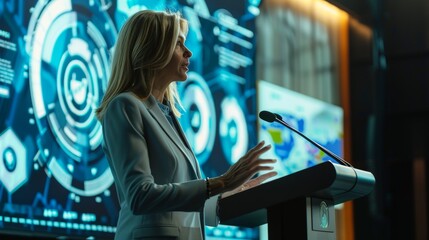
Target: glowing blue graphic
<point>54,67</point>
<point>233,130</point>
<point>13,168</point>
<point>199,120</point>
<point>68,75</point>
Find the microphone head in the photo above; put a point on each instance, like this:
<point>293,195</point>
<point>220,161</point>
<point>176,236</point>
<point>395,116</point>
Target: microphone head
<point>267,116</point>
<point>278,116</point>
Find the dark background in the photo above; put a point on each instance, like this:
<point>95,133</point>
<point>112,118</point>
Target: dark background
<point>389,90</point>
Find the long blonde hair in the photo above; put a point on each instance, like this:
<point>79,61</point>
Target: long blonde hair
<point>145,45</point>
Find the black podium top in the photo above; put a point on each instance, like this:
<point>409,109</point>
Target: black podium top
<point>326,180</point>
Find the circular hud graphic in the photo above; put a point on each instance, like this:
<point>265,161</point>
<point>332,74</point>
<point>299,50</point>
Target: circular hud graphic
<point>233,129</point>
<point>70,45</point>
<point>199,120</point>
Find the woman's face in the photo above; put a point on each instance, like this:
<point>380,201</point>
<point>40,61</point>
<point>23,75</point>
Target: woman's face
<point>177,68</point>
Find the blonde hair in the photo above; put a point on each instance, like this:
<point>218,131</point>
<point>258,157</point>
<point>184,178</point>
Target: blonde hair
<point>145,45</point>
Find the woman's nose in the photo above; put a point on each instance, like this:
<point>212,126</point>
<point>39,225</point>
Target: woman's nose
<point>187,53</point>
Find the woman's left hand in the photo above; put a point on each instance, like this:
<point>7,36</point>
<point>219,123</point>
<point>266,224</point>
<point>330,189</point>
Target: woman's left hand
<point>250,184</point>
<point>243,171</point>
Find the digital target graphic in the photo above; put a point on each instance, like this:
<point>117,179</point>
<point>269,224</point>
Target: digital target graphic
<point>199,120</point>
<point>70,43</point>
<point>233,129</point>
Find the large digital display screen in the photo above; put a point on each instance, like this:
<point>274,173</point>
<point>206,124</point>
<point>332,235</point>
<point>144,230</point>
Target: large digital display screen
<point>54,68</point>
<point>318,120</point>
<point>55,58</point>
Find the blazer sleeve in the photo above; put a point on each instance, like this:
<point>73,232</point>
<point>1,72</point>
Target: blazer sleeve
<point>125,145</point>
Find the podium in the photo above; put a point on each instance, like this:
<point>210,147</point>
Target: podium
<point>300,205</point>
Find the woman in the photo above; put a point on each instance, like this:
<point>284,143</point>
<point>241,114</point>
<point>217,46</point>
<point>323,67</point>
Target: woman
<point>156,174</point>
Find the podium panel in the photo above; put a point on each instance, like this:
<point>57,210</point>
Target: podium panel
<point>302,218</point>
<point>300,205</point>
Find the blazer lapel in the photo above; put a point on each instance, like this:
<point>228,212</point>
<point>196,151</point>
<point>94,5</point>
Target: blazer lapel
<point>185,140</point>
<point>158,115</point>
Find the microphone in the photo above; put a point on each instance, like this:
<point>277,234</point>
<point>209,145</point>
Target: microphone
<point>271,117</point>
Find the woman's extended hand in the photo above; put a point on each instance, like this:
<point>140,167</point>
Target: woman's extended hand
<point>250,184</point>
<point>243,170</point>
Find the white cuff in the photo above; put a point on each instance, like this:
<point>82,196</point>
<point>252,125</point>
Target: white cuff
<point>211,211</point>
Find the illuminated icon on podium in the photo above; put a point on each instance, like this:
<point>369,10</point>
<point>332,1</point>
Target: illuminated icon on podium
<point>324,215</point>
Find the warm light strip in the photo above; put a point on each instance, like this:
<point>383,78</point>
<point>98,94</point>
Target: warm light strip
<point>323,10</point>
<point>343,20</point>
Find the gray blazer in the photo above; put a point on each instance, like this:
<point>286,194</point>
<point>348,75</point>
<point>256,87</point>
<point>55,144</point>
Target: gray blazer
<point>157,176</point>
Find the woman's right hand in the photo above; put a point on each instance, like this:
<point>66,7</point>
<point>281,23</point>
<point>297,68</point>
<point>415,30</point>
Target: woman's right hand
<point>243,170</point>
